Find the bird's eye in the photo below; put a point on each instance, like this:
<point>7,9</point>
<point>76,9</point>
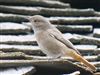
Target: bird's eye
<point>35,20</point>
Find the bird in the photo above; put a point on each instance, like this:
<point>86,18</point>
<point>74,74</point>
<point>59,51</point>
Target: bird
<point>52,42</point>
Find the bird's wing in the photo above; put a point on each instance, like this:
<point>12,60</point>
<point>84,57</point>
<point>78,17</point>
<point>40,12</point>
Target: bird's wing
<point>58,35</point>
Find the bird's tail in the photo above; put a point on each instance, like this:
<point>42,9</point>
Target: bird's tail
<point>83,60</point>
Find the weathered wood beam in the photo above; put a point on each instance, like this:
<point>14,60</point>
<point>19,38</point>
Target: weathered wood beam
<point>35,50</point>
<point>13,28</point>
<point>27,49</point>
<point>12,18</point>
<point>53,20</point>
<point>46,11</point>
<point>18,39</point>
<point>74,20</point>
<point>43,3</point>
<point>88,40</point>
<point>86,49</point>
<point>82,39</point>
<point>30,39</point>
<point>75,28</point>
<point>14,55</point>
<point>57,64</point>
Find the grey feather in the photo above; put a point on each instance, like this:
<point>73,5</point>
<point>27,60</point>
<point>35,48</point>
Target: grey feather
<point>58,35</point>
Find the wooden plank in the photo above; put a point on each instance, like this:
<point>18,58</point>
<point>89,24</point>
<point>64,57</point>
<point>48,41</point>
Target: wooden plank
<point>86,49</point>
<point>67,12</point>
<point>57,65</point>
<point>89,40</point>
<point>34,50</point>
<point>75,28</point>
<point>46,11</point>
<point>13,28</point>
<point>14,55</point>
<point>12,18</point>
<point>18,39</point>
<point>53,20</point>
<point>22,10</point>
<point>42,3</point>
<point>82,39</point>
<point>30,39</point>
<point>75,20</point>
<point>27,49</point>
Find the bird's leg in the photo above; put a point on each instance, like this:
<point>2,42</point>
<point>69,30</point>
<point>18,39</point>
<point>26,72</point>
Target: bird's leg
<point>79,58</point>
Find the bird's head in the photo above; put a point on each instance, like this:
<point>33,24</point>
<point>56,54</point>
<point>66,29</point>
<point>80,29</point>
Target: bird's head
<point>39,21</point>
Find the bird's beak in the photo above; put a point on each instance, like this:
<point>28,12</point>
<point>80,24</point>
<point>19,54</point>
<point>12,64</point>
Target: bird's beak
<point>28,18</point>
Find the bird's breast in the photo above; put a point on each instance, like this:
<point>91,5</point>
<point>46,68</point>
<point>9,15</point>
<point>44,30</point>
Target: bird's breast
<point>49,44</point>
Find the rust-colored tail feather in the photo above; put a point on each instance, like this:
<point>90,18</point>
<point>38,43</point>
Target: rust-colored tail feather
<point>83,60</point>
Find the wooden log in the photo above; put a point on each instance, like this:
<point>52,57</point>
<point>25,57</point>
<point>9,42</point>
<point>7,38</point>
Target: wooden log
<point>57,65</point>
<point>82,39</point>
<point>75,28</point>
<point>42,3</point>
<point>75,20</point>
<point>46,11</point>
<point>20,39</point>
<point>13,28</point>
<point>53,20</point>
<point>86,49</point>
<point>96,32</point>
<point>88,40</point>
<point>14,55</point>
<point>12,18</point>
<point>27,49</point>
<point>35,50</point>
<point>30,39</point>
<point>67,12</point>
<point>20,10</point>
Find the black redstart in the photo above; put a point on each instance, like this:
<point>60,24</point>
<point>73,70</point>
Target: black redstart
<point>52,43</point>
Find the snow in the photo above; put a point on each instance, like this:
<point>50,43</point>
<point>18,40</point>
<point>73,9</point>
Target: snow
<point>10,25</point>
<point>15,71</point>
